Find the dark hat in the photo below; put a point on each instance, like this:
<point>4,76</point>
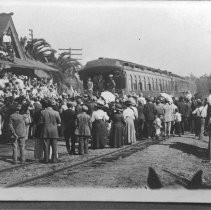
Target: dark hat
<point>71,104</point>
<point>118,107</point>
<point>128,103</point>
<point>149,99</point>
<point>16,106</point>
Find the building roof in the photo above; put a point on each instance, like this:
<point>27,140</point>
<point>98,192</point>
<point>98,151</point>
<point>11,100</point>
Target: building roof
<point>22,62</point>
<point>4,20</point>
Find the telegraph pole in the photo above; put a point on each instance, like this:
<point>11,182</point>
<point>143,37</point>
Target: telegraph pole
<point>72,53</point>
<point>31,34</point>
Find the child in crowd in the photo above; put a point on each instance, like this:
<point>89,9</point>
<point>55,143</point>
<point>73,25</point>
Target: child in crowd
<point>157,126</point>
<point>178,119</point>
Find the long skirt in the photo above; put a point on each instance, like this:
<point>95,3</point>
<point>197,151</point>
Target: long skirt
<point>116,135</point>
<point>130,136</point>
<point>99,134</point>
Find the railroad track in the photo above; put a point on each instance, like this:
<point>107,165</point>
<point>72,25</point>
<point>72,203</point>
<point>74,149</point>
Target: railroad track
<point>31,162</point>
<point>16,167</point>
<point>96,160</point>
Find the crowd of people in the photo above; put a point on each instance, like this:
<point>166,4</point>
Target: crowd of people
<point>34,109</point>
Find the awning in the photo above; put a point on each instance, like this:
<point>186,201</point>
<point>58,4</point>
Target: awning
<point>28,67</point>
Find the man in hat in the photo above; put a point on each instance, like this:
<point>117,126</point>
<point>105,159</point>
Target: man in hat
<point>90,86</point>
<point>101,83</point>
<point>111,85</point>
<point>90,103</point>
<point>149,113</point>
<point>68,119</point>
<point>49,120</point>
<point>79,105</point>
<point>17,129</point>
<point>84,130</point>
<point>182,111</point>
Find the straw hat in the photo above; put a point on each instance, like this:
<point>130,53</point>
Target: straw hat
<point>85,108</point>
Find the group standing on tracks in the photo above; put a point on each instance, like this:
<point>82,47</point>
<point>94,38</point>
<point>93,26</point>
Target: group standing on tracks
<point>34,111</point>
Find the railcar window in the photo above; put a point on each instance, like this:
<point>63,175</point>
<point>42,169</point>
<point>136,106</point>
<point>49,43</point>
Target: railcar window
<point>149,87</point>
<point>135,83</point>
<point>131,83</point>
<point>145,84</point>
<point>157,88</point>
<point>140,86</point>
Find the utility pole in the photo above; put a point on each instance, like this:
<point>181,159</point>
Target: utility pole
<point>31,34</point>
<point>72,53</point>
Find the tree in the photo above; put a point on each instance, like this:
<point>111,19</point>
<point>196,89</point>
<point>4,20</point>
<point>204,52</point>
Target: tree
<point>41,50</point>
<point>203,84</point>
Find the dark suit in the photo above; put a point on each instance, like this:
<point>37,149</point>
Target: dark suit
<point>182,111</point>
<point>69,118</point>
<point>188,115</point>
<point>91,105</point>
<point>149,113</point>
<point>49,120</point>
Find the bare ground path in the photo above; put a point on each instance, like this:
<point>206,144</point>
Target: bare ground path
<point>181,155</point>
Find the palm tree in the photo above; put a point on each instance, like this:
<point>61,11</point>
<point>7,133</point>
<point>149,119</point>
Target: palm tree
<point>40,49</point>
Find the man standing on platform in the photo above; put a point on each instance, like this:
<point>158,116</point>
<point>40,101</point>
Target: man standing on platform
<point>182,111</point>
<point>17,129</point>
<point>69,119</point>
<point>111,85</point>
<point>149,112</point>
<point>49,120</point>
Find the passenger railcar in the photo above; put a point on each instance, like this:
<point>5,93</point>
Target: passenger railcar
<point>130,77</point>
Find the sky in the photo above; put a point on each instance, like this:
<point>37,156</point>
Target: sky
<point>172,36</point>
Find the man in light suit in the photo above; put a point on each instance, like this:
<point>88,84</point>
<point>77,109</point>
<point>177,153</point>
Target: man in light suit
<point>17,128</point>
<point>49,120</point>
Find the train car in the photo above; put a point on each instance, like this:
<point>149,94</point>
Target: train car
<point>130,77</point>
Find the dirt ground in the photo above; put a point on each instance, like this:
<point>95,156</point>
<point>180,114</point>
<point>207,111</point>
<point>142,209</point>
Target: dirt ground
<point>182,156</point>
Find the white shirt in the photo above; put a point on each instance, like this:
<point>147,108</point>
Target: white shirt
<point>135,111</point>
<point>129,113</point>
<point>178,117</point>
<point>201,111</point>
<point>157,123</point>
<point>99,115</point>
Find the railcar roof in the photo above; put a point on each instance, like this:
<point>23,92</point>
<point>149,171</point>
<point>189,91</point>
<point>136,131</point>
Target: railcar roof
<point>109,63</point>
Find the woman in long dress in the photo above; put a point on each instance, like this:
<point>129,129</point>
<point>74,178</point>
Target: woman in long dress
<point>39,143</point>
<point>129,116</point>
<point>99,131</point>
<point>25,111</point>
<point>117,127</point>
